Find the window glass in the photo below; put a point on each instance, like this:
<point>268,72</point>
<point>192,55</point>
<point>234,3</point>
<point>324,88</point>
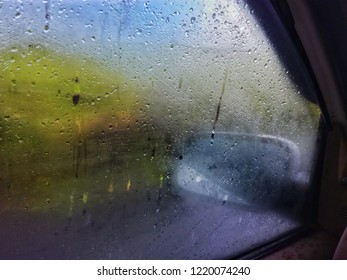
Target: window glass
<point>150,129</point>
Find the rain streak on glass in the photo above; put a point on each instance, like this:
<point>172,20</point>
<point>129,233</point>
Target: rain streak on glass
<point>150,130</point>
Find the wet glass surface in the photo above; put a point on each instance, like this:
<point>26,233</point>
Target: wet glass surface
<point>149,130</point>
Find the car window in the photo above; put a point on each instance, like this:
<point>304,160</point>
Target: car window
<point>150,129</point>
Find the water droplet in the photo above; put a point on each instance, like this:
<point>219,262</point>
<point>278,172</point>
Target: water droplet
<point>14,49</point>
<point>180,82</point>
<point>192,20</point>
<point>85,197</point>
<point>128,185</point>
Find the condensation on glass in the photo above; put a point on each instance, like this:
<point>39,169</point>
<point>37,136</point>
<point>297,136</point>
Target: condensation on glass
<point>150,129</point>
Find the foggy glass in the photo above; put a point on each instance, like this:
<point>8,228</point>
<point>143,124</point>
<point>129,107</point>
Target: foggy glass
<point>150,129</point>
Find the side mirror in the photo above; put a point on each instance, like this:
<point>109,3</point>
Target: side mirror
<point>246,169</point>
